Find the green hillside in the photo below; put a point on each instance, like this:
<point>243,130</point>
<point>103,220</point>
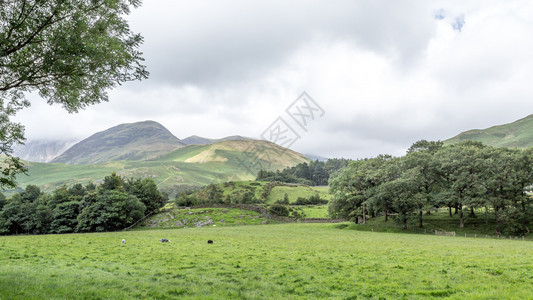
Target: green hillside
<point>296,191</point>
<point>293,191</point>
<point>252,154</point>
<point>518,134</point>
<point>193,165</point>
<point>133,142</point>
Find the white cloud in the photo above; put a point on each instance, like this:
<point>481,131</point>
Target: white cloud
<point>386,74</point>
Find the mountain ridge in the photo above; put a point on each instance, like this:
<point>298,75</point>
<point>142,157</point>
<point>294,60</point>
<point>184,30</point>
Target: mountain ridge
<point>130,141</point>
<point>148,150</point>
<point>517,134</point>
<point>198,140</point>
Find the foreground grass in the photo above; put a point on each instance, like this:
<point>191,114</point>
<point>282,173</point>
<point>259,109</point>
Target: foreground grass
<point>269,261</point>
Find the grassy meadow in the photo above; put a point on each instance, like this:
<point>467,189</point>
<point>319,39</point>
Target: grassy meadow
<point>296,191</point>
<point>280,261</point>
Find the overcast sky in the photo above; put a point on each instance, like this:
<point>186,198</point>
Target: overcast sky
<point>385,73</point>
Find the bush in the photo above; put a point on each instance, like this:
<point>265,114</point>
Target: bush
<point>313,200</point>
<point>279,210</point>
<point>185,200</point>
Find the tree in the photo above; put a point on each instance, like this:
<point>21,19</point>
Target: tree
<point>3,201</point>
<point>461,172</point>
<point>354,186</point>
<point>430,147</point>
<point>211,194</point>
<point>112,183</point>
<point>110,210</point>
<point>69,51</point>
<point>146,191</point>
<point>65,217</point>
<point>404,194</point>
<point>420,158</point>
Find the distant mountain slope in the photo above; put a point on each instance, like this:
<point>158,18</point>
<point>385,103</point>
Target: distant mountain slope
<point>42,150</point>
<point>517,134</point>
<point>136,141</point>
<point>251,154</point>
<point>316,157</point>
<point>198,140</point>
<point>190,165</point>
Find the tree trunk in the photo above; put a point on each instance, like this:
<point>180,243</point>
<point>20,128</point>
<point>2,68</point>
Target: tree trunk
<point>450,210</point>
<point>461,217</point>
<point>364,214</point>
<point>456,208</point>
<point>420,224</point>
<point>386,215</point>
<point>472,213</point>
<point>404,222</point>
<point>497,219</point>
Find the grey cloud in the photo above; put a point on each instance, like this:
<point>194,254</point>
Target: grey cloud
<point>213,43</point>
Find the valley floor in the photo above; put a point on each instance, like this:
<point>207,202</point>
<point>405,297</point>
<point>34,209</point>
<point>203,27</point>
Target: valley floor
<point>263,261</point>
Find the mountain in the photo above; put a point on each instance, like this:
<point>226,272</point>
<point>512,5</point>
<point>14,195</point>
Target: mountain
<point>198,140</point>
<point>517,134</point>
<point>148,150</point>
<point>41,150</point>
<point>243,154</point>
<point>134,142</point>
<point>192,165</point>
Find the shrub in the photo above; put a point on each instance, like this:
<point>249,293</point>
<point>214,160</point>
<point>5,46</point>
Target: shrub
<point>279,210</point>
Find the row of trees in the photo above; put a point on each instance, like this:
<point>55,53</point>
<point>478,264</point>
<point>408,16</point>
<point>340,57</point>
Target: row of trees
<point>466,176</point>
<point>312,173</point>
<point>213,194</point>
<point>113,205</point>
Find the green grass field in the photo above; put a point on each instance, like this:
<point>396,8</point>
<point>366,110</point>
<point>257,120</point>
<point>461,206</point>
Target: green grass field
<point>315,211</point>
<point>295,191</point>
<point>282,261</point>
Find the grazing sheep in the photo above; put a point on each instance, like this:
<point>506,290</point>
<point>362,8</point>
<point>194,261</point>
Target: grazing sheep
<point>210,242</point>
<point>164,240</point>
<point>123,241</point>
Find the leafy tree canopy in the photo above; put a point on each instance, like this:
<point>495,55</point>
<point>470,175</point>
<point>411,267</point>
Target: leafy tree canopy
<point>68,51</point>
